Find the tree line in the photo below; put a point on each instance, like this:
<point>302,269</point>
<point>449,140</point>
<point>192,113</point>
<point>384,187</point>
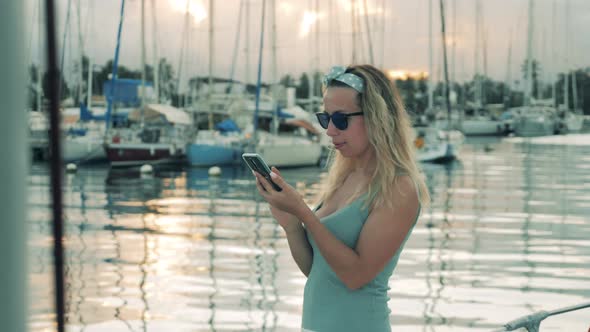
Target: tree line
<point>414,91</point>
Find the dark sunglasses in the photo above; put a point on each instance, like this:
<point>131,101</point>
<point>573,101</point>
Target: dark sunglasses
<point>340,120</point>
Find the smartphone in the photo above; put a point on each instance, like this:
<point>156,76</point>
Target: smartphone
<point>257,164</point>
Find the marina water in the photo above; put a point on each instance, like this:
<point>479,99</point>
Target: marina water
<point>507,234</point>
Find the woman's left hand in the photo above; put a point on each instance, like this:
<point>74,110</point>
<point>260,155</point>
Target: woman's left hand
<point>288,199</point>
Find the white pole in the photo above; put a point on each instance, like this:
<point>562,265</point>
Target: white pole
<point>13,170</point>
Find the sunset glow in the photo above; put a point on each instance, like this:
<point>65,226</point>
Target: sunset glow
<point>360,7</point>
<point>406,74</point>
<point>286,8</point>
<point>309,19</point>
<point>195,9</point>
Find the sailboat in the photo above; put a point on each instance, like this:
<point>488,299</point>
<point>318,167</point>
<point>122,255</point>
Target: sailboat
<point>432,143</point>
<point>224,144</point>
<point>155,133</point>
<point>83,141</point>
<point>535,118</point>
<point>221,142</point>
<point>569,120</point>
<point>299,147</point>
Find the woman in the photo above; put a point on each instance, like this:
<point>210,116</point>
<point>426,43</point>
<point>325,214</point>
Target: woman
<point>349,246</point>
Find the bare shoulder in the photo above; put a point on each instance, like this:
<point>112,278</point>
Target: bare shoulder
<point>404,193</point>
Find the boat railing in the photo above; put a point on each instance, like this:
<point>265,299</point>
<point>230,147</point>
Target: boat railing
<point>533,321</point>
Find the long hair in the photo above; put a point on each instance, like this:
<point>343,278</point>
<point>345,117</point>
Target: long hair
<point>390,134</point>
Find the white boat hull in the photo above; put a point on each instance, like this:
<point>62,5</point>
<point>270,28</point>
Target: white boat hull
<point>286,151</point>
<point>530,127</point>
<point>439,145</point>
<point>482,127</point>
<point>574,122</point>
<point>83,149</point>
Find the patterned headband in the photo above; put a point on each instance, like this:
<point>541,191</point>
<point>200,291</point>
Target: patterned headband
<point>339,74</point>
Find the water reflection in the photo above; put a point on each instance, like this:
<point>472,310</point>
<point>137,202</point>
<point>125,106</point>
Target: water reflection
<point>507,233</point>
<point>439,180</point>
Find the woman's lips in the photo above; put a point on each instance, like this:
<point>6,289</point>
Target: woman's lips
<point>338,145</point>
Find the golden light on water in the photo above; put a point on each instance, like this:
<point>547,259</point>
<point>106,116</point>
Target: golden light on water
<point>195,8</point>
<point>402,74</point>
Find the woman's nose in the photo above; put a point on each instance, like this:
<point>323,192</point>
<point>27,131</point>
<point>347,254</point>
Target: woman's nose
<point>332,130</point>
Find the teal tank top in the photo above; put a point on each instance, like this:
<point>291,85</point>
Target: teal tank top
<point>328,305</point>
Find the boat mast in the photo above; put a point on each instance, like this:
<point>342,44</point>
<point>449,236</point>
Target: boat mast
<point>39,88</point>
<point>478,42</point>
<point>554,54</point>
<point>63,48</point>
<point>529,60</point>
<point>430,65</point>
<point>211,64</point>
<point>110,96</point>
<point>259,79</point>
<point>81,45</point>
<point>236,48</point>
<point>183,49</point>
<point>247,47</point>
<point>274,83</point>
<point>454,42</point>
<point>446,69</point>
<point>368,27</point>
<point>142,100</point>
<point>90,65</point>
<point>354,30</point>
<point>572,72</point>
<point>155,52</point>
<point>508,72</point>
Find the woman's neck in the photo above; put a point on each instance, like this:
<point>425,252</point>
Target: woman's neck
<point>365,163</point>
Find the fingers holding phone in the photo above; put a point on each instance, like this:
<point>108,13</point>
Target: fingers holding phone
<point>258,165</point>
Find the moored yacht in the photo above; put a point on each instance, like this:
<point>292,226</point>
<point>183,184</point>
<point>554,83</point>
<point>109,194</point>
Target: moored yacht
<point>157,136</point>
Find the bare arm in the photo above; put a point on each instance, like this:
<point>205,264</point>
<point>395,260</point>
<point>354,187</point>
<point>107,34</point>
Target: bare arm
<point>380,239</point>
<point>381,236</point>
<point>300,248</point>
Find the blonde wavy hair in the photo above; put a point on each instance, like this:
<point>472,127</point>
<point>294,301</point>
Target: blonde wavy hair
<point>390,134</point>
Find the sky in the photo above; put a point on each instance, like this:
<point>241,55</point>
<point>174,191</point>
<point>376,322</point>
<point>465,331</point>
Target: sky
<point>398,33</point>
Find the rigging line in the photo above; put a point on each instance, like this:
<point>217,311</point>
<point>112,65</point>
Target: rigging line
<point>182,49</point>
<point>63,47</point>
<point>236,46</point>
<point>55,164</point>
<point>446,71</point>
<point>36,11</point>
<point>368,27</point>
